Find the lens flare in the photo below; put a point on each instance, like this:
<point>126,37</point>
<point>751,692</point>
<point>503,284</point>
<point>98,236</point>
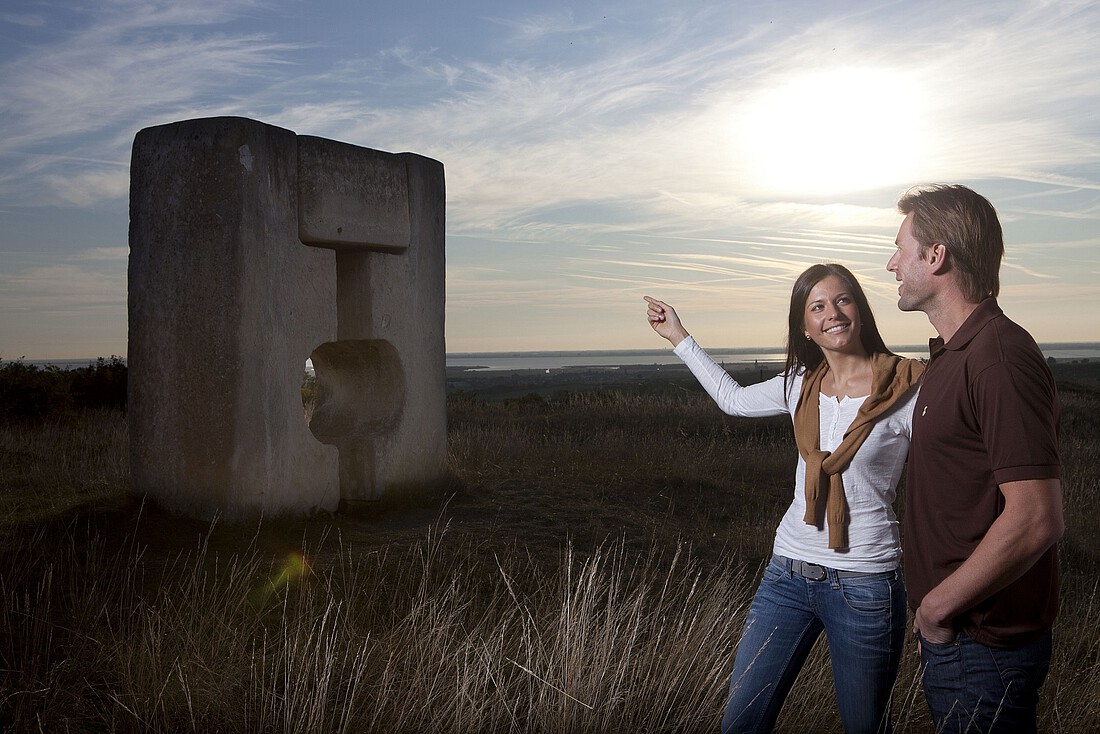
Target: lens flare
<point>294,567</point>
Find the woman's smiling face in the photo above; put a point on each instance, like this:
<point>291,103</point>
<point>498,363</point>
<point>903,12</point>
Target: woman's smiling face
<point>831,317</point>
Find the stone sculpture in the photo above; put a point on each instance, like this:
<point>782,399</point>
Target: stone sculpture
<point>252,249</point>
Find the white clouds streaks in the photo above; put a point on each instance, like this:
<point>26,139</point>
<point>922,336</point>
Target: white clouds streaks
<point>594,152</point>
<point>134,64</point>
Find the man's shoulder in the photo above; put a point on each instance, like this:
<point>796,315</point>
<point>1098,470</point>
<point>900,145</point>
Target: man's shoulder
<point>1003,340</point>
<point>1004,353</point>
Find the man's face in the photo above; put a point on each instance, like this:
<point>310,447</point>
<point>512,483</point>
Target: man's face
<point>910,269</point>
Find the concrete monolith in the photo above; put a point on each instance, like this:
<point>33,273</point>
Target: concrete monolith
<point>253,249</point>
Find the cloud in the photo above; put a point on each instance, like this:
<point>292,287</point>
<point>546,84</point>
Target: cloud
<point>521,133</point>
<point>27,20</point>
<point>133,65</point>
<point>105,254</point>
<point>617,160</point>
<point>59,289</point>
<point>537,27</point>
<point>1028,271</point>
<point>89,187</point>
<point>521,137</point>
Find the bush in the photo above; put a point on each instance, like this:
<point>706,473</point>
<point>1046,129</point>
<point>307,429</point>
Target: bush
<point>101,385</point>
<point>30,393</point>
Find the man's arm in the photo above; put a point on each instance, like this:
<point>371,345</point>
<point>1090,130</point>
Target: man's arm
<point>1031,523</point>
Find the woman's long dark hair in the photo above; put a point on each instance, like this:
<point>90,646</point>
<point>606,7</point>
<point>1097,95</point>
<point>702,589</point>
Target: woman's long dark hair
<point>802,353</point>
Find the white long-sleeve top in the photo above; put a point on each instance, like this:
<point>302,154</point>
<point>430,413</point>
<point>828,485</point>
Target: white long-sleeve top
<point>870,481</point>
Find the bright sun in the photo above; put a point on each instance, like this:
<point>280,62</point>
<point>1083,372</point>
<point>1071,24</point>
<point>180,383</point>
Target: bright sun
<point>831,132</point>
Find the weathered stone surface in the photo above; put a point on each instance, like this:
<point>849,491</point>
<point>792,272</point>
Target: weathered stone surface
<point>352,197</point>
<point>253,249</point>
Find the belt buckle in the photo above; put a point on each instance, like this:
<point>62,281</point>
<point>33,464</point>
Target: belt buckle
<point>812,571</point>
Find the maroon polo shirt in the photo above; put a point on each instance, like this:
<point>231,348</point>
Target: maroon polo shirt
<point>987,414</point>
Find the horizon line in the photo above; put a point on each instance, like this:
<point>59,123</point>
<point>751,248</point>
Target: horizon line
<point>592,352</point>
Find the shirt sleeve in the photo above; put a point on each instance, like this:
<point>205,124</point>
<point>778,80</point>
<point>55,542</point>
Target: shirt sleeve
<point>1018,414</point>
<point>755,401</point>
<point>909,405</point>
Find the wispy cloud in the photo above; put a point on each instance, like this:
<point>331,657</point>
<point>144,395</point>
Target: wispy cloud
<point>61,288</point>
<point>105,253</point>
<point>536,27</point>
<point>518,137</point>
<point>28,20</point>
<point>134,64</point>
<point>603,145</point>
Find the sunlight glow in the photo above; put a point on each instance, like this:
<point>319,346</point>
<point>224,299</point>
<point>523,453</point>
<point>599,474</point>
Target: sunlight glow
<point>832,131</point>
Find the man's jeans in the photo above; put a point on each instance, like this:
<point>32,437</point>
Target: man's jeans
<point>863,617</point>
<point>981,690</point>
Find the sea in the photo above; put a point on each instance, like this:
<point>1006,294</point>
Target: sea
<point>552,360</point>
<point>1061,352</point>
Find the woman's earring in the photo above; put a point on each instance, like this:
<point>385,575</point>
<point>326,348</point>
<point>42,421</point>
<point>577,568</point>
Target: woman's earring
<point>807,336</point>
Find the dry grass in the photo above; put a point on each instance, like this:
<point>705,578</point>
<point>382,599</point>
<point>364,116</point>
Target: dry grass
<point>590,574</point>
<point>60,464</point>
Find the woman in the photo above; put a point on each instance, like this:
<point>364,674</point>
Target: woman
<point>836,558</point>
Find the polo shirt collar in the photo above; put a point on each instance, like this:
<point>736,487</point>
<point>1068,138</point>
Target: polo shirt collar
<point>986,311</point>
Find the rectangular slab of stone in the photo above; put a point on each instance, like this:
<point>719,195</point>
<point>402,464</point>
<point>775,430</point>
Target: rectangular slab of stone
<point>352,197</point>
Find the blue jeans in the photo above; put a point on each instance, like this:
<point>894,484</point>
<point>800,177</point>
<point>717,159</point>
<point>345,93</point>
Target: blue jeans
<point>863,617</point>
<point>977,689</point>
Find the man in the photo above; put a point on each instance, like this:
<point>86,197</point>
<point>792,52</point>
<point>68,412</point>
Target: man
<point>983,499</point>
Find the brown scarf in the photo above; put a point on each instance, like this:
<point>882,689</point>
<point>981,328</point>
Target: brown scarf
<point>892,377</point>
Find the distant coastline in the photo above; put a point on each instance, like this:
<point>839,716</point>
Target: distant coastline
<point>1055,346</point>
<point>558,359</point>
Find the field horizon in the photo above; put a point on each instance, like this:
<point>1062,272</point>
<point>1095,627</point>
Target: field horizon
<point>1089,350</point>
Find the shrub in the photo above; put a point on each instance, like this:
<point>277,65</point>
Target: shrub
<point>30,393</point>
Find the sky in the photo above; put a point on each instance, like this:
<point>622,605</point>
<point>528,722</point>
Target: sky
<point>703,153</point>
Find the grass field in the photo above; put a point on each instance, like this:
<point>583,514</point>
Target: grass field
<point>588,570</point>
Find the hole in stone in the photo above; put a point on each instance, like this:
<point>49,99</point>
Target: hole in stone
<point>309,390</point>
<point>358,390</point>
